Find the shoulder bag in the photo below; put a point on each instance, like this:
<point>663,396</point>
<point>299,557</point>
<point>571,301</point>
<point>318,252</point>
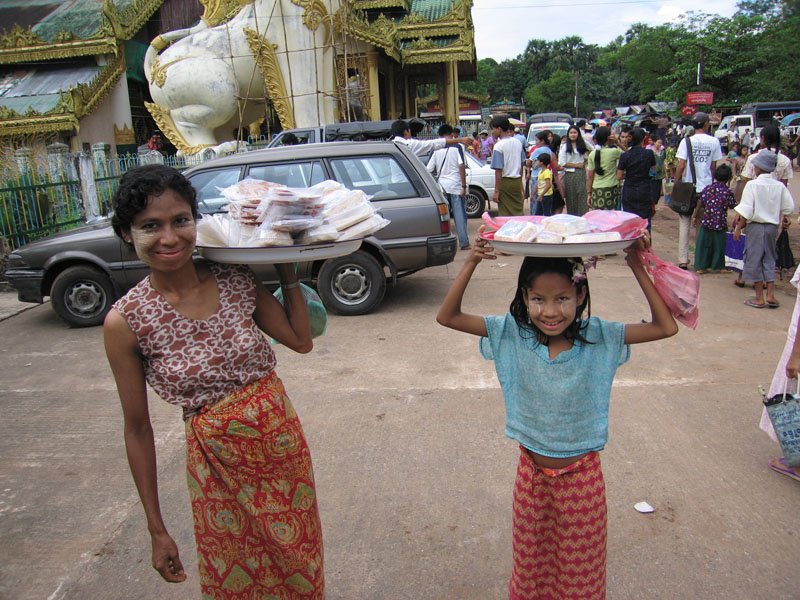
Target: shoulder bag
<point>684,194</point>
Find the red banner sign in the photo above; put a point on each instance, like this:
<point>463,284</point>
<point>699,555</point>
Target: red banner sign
<point>688,110</point>
<point>700,98</point>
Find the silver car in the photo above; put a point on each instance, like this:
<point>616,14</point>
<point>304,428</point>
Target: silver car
<point>85,270</point>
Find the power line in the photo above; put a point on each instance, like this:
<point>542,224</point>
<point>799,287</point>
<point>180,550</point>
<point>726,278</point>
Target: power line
<point>568,4</point>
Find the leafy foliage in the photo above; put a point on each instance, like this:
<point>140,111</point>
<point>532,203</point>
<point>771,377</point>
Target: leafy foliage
<point>752,56</point>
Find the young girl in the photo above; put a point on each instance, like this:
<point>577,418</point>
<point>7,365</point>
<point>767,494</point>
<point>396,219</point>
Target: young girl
<point>601,172</point>
<point>555,367</point>
<point>714,200</point>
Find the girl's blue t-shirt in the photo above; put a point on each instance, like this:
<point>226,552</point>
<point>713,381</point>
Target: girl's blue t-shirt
<point>557,407</point>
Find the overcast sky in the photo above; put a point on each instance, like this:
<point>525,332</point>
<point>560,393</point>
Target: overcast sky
<point>504,27</point>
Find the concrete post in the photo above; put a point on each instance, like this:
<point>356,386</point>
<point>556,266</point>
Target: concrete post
<point>59,165</point>
<point>23,158</point>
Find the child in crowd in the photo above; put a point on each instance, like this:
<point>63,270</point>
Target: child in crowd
<point>556,366</point>
<point>764,203</point>
<point>714,200</point>
<point>544,185</point>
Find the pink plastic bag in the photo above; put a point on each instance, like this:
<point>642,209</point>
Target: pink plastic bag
<point>679,289</point>
<point>495,223</point>
<point>628,225</point>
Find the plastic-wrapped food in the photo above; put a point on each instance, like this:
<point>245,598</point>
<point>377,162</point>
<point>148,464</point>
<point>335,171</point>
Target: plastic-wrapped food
<point>268,237</point>
<point>326,187</point>
<point>564,224</point>
<point>363,228</point>
<point>628,225</point>
<point>342,201</point>
<point>247,190</point>
<point>321,233</point>
<point>517,231</point>
<point>350,217</point>
<point>548,237</point>
<point>593,238</point>
<point>294,223</point>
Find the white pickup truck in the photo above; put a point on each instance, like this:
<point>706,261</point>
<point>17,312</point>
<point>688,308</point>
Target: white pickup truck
<point>737,124</point>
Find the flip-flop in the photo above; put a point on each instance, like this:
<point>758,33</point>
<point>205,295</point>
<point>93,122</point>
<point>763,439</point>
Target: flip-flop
<point>774,304</point>
<point>779,465</point>
<point>701,271</point>
<point>738,283</point>
<point>753,303</point>
<point>684,266</point>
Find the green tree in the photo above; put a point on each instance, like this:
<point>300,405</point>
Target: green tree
<point>554,94</point>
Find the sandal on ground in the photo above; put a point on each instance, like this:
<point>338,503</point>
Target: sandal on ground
<point>684,266</point>
<point>773,304</point>
<point>752,302</point>
<point>725,271</point>
<point>779,465</point>
<point>738,283</point>
<point>701,271</point>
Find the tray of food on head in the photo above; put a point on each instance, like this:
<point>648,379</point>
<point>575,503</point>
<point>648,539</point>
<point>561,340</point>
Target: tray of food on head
<point>279,254</point>
<point>596,233</point>
<point>269,223</point>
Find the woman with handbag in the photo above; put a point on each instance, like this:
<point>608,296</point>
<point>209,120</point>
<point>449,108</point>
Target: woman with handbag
<point>784,378</point>
<point>197,333</point>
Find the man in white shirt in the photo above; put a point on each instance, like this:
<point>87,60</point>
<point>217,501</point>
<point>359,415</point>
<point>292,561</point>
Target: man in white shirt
<point>765,201</point>
<point>507,160</point>
<point>706,152</point>
<point>401,133</point>
<point>447,166</point>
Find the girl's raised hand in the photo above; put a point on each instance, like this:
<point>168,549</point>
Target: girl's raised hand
<point>481,249</point>
<point>632,251</point>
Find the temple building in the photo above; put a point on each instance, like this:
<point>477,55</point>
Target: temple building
<point>71,71</point>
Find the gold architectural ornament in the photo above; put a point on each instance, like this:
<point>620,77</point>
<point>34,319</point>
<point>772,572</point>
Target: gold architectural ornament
<point>20,38</point>
<point>38,125</point>
<point>373,4</point>
<point>167,126</point>
<point>63,36</point>
<point>267,60</point>
<point>124,136</point>
<point>422,43</point>
<point>218,12</point>
<point>314,13</point>
<point>126,22</point>
<point>453,23</point>
<point>381,33</point>
<point>87,97</point>
<point>158,74</point>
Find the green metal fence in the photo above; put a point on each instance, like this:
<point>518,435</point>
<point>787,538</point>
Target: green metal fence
<point>35,207</point>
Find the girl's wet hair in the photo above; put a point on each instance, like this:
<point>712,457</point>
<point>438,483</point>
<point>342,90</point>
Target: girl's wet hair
<point>531,268</point>
<point>138,185</point>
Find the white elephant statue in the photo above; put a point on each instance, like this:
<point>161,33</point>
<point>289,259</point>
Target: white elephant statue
<point>206,81</point>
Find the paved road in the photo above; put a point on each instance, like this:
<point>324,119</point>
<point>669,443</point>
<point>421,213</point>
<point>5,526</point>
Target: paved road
<point>405,423</point>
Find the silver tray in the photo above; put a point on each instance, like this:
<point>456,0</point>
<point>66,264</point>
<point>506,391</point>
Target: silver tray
<point>561,250</point>
<point>279,254</point>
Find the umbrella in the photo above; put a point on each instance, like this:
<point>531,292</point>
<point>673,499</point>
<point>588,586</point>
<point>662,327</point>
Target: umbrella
<point>792,119</point>
<point>516,122</point>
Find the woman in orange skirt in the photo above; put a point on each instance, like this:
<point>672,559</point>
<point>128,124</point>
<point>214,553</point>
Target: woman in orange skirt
<point>197,333</point>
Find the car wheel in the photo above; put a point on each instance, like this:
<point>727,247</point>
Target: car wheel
<point>82,296</point>
<point>474,202</point>
<point>352,284</point>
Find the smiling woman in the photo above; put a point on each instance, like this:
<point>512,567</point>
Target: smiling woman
<point>197,333</point>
